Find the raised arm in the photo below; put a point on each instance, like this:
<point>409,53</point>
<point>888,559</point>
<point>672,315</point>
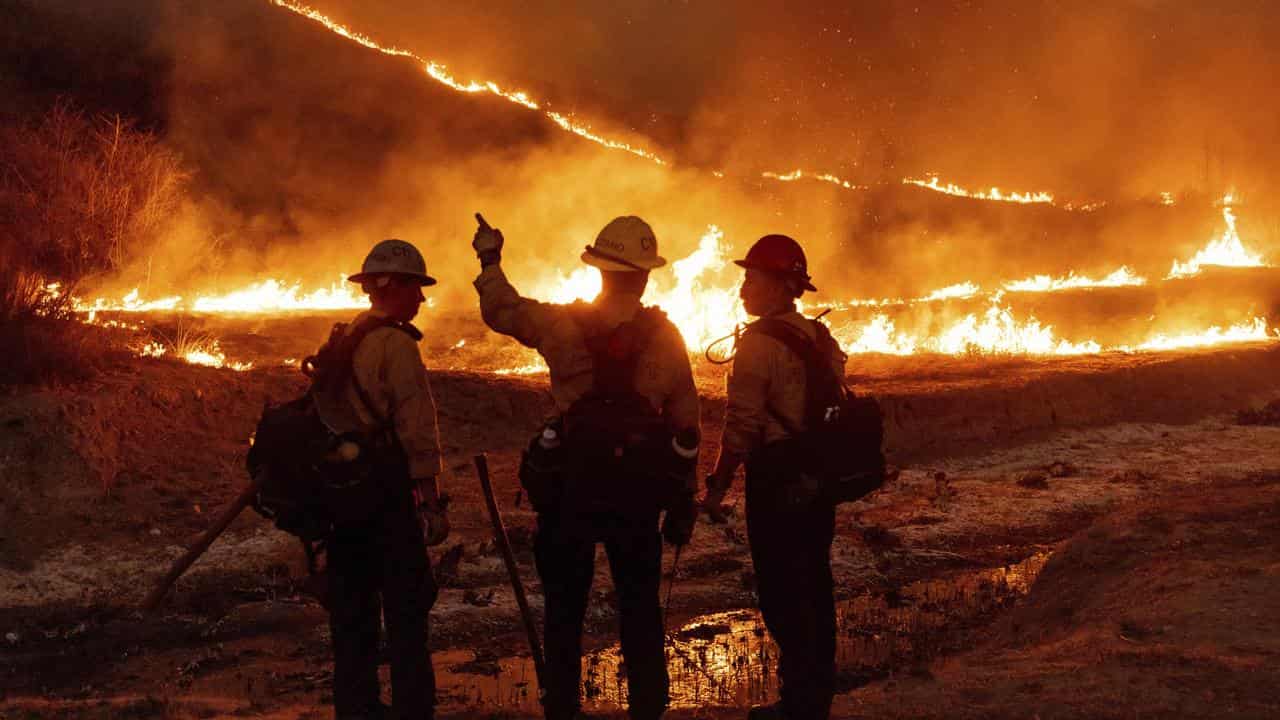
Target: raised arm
<point>501,306</point>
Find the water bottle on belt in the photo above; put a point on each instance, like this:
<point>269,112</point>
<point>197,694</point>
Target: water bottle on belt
<point>542,468</point>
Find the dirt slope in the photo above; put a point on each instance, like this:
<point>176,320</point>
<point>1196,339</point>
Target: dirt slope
<point>1170,608</point>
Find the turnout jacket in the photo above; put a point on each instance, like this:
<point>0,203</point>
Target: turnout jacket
<point>663,374</point>
<point>389,367</point>
<point>767,382</point>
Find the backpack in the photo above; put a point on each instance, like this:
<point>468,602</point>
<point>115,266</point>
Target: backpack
<point>615,440</point>
<point>840,444</point>
<point>309,489</point>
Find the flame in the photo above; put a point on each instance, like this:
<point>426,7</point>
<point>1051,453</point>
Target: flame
<point>265,296</point>
<point>702,309</point>
<point>1227,250</point>
<point>824,177</point>
<point>877,336</point>
<point>440,74</point>
<point>1251,331</point>
<point>532,368</point>
<point>275,296</point>
<point>1000,332</point>
<point>994,194</point>
<point>951,292</point>
<point>702,305</point>
<point>1122,277</point>
<point>202,352</point>
<point>436,71</point>
<point>997,331</point>
<point>958,291</point>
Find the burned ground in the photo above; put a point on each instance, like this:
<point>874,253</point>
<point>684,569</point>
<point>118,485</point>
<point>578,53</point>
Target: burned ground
<point>1153,520</point>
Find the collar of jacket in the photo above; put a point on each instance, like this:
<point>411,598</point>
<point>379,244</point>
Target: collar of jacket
<point>408,328</point>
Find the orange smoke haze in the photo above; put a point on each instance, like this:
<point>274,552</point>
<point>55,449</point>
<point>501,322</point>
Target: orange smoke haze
<point>975,147</point>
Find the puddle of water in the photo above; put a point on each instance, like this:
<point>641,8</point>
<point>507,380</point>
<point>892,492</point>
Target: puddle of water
<point>728,659</point>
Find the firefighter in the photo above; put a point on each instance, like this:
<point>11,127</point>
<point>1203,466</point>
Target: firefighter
<point>378,568</point>
<point>790,541</point>
<point>611,361</point>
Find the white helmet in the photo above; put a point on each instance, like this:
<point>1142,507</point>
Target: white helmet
<point>626,244</point>
<point>394,257</point>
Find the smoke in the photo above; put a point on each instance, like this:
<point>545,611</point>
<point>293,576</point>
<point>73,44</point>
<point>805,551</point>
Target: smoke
<point>1100,99</point>
<point>309,148</point>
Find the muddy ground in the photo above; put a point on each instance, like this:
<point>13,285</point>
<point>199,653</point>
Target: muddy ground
<point>1096,539</point>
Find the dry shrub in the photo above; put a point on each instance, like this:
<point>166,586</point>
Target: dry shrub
<point>79,197</point>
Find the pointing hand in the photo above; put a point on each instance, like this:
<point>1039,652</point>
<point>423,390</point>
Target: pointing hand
<point>488,241</point>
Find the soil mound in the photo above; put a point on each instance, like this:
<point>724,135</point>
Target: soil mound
<point>1167,609</point>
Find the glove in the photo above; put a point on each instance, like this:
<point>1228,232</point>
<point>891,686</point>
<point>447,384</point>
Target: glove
<point>435,526</point>
<point>433,508</point>
<point>713,502</point>
<point>677,526</point>
<point>487,243</point>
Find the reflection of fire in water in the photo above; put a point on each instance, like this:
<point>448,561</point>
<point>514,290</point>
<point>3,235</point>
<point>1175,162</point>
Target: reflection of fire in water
<point>727,659</point>
<point>1227,250</point>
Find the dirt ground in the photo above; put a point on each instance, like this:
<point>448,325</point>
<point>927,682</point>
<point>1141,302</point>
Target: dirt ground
<point>1136,560</point>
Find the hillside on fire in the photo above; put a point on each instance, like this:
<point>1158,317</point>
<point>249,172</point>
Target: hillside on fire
<point>326,367</point>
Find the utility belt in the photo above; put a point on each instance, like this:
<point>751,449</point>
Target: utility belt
<point>788,473</point>
<point>775,477</point>
<point>361,476</point>
<point>560,477</point>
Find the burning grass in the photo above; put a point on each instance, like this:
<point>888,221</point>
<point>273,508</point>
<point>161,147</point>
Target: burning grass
<point>188,343</point>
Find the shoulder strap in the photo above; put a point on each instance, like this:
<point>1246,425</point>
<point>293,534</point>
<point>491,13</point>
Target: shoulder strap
<point>357,336</point>
<point>615,351</point>
<point>806,349</point>
<point>344,354</point>
<point>790,336</point>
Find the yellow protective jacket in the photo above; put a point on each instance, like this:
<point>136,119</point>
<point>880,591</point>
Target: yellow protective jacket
<point>663,374</point>
<point>389,367</point>
<point>767,381</point>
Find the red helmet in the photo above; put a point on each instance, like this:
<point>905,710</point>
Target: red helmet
<point>780,255</point>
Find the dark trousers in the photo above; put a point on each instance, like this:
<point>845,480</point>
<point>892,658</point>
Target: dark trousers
<point>565,553</point>
<point>376,572</point>
<point>791,552</point>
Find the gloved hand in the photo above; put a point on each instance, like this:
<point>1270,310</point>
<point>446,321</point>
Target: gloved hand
<point>677,526</point>
<point>713,502</point>
<point>433,508</point>
<point>435,526</point>
<point>487,243</point>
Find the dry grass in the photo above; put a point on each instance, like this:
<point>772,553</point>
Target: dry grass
<point>79,197</point>
<point>49,350</point>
